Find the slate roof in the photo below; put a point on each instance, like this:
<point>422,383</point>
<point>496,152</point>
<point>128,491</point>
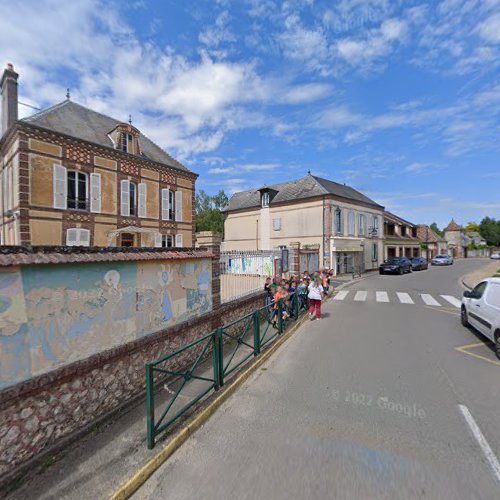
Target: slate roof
<point>22,255</point>
<point>309,186</point>
<point>77,121</point>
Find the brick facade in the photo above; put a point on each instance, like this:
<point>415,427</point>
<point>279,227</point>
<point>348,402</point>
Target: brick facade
<point>29,143</point>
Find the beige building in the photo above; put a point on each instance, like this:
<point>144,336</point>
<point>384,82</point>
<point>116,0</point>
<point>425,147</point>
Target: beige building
<point>401,239</point>
<point>72,176</point>
<point>344,223</point>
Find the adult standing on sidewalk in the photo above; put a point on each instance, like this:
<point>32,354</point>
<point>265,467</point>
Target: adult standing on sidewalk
<point>315,296</point>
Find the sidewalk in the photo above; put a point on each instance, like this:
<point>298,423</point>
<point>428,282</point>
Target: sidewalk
<point>95,466</point>
<point>472,279</point>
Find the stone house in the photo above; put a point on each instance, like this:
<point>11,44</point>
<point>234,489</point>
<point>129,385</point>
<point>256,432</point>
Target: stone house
<point>436,245</point>
<point>400,237</point>
<point>457,240</point>
<point>72,176</point>
<point>344,223</point>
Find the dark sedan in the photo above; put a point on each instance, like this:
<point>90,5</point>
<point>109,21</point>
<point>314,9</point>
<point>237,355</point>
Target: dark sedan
<point>419,264</point>
<point>396,265</point>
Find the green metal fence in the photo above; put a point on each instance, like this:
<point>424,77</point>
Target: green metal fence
<point>175,385</point>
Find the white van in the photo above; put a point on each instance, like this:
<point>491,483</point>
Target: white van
<point>481,309</point>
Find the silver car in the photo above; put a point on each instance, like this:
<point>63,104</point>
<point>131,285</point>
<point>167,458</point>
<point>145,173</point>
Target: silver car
<point>442,260</point>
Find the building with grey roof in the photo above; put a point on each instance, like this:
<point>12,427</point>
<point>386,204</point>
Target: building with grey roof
<point>72,176</point>
<point>345,223</point>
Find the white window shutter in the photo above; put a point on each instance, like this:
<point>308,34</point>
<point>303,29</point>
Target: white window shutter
<point>178,206</point>
<point>165,200</point>
<point>84,237</point>
<point>142,200</point>
<point>71,237</point>
<point>178,240</point>
<point>125,198</point>
<point>60,188</point>
<point>95,193</point>
<point>158,240</point>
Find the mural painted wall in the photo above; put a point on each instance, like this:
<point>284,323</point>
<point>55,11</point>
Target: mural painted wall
<point>262,265</point>
<point>53,315</point>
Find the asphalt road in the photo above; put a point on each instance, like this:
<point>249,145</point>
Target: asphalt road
<point>370,402</point>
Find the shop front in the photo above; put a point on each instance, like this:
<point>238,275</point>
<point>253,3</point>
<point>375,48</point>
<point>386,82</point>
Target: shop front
<point>347,255</point>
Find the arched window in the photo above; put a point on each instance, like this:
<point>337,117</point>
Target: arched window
<point>337,221</point>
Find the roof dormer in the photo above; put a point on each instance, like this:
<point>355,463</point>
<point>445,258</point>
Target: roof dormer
<point>125,137</point>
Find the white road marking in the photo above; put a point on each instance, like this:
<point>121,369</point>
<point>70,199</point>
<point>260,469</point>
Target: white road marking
<point>382,296</point>
<point>341,295</point>
<point>485,447</point>
<point>452,300</point>
<point>360,296</point>
<point>404,298</point>
<point>430,300</point>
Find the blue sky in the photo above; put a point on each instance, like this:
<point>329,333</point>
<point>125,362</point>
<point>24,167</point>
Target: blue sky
<point>400,99</point>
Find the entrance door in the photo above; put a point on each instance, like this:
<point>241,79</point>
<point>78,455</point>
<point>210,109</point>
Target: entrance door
<point>127,240</point>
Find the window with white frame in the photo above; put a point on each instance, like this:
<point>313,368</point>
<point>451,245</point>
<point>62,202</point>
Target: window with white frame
<point>167,240</point>
<point>375,226</point>
<point>361,224</point>
<point>77,190</point>
<point>350,223</point>
<point>179,243</point>
<point>77,237</point>
<point>277,224</point>
<point>167,204</point>
<point>133,199</point>
<point>265,199</point>
<point>337,221</point>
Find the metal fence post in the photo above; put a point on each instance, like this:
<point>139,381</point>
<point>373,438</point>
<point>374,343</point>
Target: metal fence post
<point>215,360</point>
<point>256,333</point>
<point>280,316</point>
<point>220,355</point>
<point>150,406</point>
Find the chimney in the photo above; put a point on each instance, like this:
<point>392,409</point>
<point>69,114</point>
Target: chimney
<point>9,98</point>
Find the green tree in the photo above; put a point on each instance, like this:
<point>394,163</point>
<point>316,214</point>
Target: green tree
<point>472,226</point>
<point>208,211</point>
<point>435,228</point>
<point>489,228</point>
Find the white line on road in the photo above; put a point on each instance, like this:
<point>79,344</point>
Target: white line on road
<point>404,298</point>
<point>360,296</point>
<point>430,300</point>
<point>476,431</point>
<point>382,296</point>
<point>452,300</point>
<point>341,295</point>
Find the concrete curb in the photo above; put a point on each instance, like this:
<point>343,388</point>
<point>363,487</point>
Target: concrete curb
<point>128,488</point>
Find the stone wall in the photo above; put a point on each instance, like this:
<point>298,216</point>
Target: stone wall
<point>37,414</point>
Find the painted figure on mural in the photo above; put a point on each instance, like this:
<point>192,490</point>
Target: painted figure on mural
<point>166,307</point>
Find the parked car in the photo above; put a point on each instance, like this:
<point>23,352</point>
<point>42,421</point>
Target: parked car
<point>481,310</point>
<point>396,265</point>
<point>495,256</point>
<point>419,264</point>
<point>442,260</point>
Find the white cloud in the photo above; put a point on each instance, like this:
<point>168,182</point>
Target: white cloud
<point>489,29</point>
<point>185,105</point>
<point>213,36</point>
<point>419,167</point>
<point>376,44</point>
<point>219,170</point>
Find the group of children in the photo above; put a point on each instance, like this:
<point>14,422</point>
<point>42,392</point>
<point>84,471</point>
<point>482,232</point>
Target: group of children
<point>294,293</point>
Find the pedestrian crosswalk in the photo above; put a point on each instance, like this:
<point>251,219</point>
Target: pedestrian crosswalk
<point>381,296</point>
